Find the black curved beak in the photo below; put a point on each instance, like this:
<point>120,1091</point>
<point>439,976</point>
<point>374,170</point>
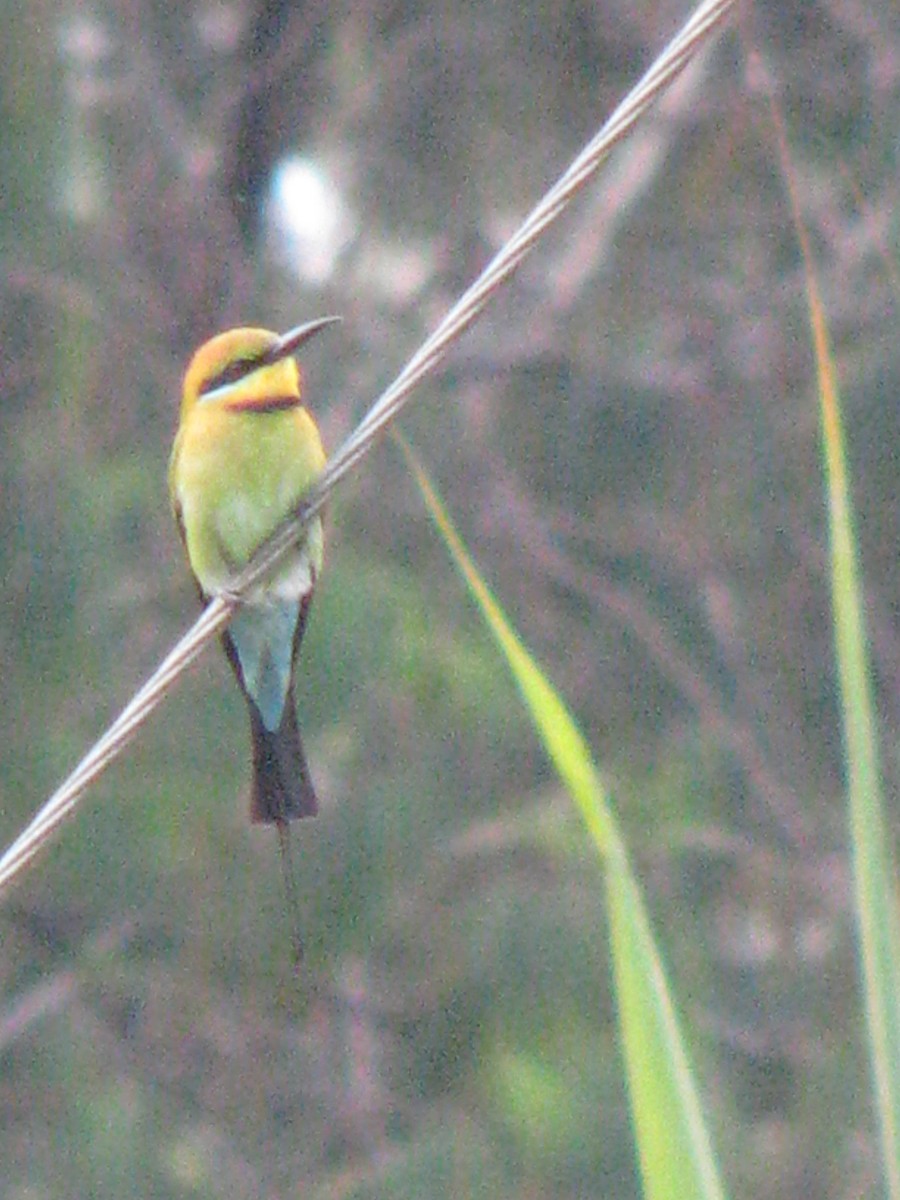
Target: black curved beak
<point>291,341</point>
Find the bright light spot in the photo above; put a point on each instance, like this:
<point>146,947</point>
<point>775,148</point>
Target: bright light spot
<point>220,26</point>
<point>85,41</point>
<point>307,218</point>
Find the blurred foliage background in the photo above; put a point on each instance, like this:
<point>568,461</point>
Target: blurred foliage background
<point>628,440</point>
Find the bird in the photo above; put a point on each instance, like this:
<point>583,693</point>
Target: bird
<point>245,452</point>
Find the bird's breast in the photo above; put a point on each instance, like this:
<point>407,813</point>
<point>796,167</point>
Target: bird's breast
<point>236,476</point>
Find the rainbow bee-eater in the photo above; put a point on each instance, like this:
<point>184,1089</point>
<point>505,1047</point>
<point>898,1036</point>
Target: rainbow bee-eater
<point>246,450</point>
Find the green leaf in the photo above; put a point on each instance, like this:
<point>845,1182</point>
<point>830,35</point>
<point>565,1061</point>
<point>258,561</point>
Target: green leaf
<point>874,872</point>
<point>673,1143</point>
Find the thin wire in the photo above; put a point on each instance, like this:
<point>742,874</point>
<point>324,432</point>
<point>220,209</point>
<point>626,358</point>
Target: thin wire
<point>289,534</point>
<point>673,59</point>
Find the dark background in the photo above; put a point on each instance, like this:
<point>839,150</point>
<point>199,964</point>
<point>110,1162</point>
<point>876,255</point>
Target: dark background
<point>628,440</point>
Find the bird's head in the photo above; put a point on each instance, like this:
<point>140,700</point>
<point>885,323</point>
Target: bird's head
<point>248,369</point>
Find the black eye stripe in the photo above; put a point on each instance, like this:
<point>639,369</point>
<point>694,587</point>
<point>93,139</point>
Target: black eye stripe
<point>230,374</point>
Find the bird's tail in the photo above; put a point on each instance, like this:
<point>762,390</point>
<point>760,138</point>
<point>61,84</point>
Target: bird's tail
<point>282,788</point>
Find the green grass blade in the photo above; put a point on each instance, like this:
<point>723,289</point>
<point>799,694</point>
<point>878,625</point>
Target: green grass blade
<point>873,863</point>
<point>674,1147</point>
<point>874,872</point>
